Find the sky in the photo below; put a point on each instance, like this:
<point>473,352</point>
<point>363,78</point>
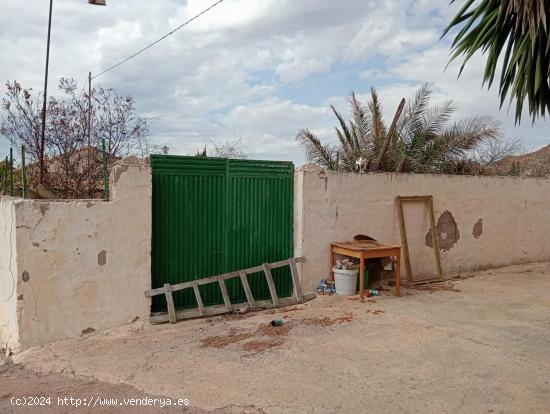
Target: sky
<point>257,70</point>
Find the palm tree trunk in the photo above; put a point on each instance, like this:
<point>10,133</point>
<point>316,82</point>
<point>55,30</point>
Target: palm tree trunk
<point>389,135</point>
<point>401,165</point>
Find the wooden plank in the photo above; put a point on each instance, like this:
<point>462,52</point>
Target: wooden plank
<point>220,309</point>
<point>362,277</point>
<point>271,284</point>
<point>427,280</point>
<point>398,273</point>
<point>225,276</point>
<point>414,198</point>
<point>331,264</point>
<point>225,295</point>
<point>296,279</point>
<point>198,298</point>
<point>170,303</point>
<point>247,291</point>
<point>403,233</point>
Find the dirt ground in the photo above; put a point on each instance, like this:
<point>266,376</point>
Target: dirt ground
<point>476,344</point>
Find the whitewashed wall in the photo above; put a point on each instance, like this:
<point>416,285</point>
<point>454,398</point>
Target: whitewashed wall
<point>81,266</point>
<point>514,214</point>
<point>9,333</point>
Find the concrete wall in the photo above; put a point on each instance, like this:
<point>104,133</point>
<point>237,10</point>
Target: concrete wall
<point>498,220</point>
<point>9,333</point>
<point>68,267</point>
<point>83,265</point>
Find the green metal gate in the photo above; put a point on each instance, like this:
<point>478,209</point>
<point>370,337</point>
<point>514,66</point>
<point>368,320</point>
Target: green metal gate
<point>212,216</point>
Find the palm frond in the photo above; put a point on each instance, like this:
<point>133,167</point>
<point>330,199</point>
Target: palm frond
<point>345,132</point>
<point>316,152</point>
<point>463,136</point>
<point>437,116</point>
<point>378,129</point>
<point>417,110</point>
<point>421,141</point>
<point>360,123</point>
<point>519,31</point>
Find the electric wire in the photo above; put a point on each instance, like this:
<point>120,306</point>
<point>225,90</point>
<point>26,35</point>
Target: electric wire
<point>139,52</point>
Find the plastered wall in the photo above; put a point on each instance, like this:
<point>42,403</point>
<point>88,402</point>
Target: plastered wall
<point>82,266</point>
<point>72,267</point>
<point>482,221</point>
<point>9,333</point>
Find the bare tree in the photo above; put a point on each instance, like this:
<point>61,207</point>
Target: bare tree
<point>233,149</point>
<point>73,169</point>
<point>495,150</point>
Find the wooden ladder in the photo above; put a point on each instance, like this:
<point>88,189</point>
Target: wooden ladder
<point>174,315</point>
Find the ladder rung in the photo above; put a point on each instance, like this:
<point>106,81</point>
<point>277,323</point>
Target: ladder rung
<point>170,303</point>
<point>247,291</point>
<point>296,280</point>
<point>225,295</point>
<point>271,284</point>
<point>198,298</point>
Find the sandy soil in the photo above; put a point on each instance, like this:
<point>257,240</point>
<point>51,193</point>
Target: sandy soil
<point>476,344</point>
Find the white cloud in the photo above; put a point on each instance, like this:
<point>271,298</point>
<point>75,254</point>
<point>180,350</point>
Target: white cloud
<point>230,14</point>
<point>466,91</point>
<point>260,69</point>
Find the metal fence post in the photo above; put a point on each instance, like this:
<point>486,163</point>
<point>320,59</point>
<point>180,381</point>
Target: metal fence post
<point>23,173</point>
<point>11,172</point>
<point>5,187</point>
<point>105,172</point>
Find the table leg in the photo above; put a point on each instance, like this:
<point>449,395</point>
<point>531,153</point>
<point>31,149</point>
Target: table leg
<point>397,273</point>
<point>331,272</point>
<point>362,277</point>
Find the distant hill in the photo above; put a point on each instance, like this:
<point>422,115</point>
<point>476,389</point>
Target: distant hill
<point>533,164</point>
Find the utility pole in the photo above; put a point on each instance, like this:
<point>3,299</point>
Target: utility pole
<point>44,105</point>
<point>42,138</point>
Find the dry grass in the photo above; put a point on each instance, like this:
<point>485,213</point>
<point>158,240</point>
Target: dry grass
<point>448,285</point>
<point>269,330</point>
<point>224,340</point>
<point>284,310</point>
<point>260,346</point>
<point>326,321</point>
<point>376,311</point>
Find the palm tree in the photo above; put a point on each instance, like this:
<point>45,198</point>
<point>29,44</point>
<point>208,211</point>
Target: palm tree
<point>520,29</point>
<point>418,139</point>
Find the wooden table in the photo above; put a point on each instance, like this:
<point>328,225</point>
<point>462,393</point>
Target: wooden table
<point>366,249</point>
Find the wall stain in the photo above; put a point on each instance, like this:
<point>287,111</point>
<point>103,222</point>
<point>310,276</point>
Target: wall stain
<point>323,176</point>
<point>118,172</point>
<point>447,232</point>
<point>43,208</point>
<point>25,276</point>
<point>102,258</point>
<point>88,331</point>
<point>478,229</point>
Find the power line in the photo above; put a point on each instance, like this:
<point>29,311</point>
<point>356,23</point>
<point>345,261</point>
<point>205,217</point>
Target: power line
<point>159,40</point>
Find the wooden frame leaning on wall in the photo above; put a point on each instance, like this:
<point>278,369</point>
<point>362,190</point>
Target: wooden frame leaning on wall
<point>428,201</point>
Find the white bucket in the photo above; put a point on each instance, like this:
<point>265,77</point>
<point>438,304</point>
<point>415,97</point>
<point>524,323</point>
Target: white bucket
<point>345,281</point>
